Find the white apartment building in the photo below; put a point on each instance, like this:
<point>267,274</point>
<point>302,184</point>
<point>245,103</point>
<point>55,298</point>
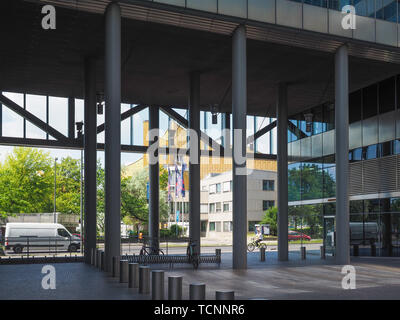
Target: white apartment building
<point>216,201</point>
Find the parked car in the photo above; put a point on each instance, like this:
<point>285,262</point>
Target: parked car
<point>295,235</point>
<point>39,235</point>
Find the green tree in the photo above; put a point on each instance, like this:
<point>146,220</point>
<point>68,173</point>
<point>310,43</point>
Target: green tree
<point>134,197</point>
<point>26,182</point>
<point>270,217</point>
<point>68,186</point>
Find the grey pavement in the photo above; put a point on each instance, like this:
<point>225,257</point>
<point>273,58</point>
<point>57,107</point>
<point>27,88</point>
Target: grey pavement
<point>313,278</point>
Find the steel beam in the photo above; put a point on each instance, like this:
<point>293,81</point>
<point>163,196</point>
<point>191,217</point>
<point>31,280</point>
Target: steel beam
<point>194,165</point>
<point>154,178</point>
<point>342,154</point>
<point>261,132</point>
<point>185,123</point>
<point>282,196</point>
<point>239,112</point>
<point>112,150</point>
<point>71,117</point>
<point>124,116</point>
<point>33,119</point>
<point>90,162</point>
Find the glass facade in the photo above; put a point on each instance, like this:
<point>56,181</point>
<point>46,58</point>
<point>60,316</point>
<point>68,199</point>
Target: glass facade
<point>374,144</point>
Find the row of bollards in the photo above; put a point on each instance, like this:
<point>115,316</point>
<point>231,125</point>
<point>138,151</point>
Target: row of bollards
<point>138,276</point>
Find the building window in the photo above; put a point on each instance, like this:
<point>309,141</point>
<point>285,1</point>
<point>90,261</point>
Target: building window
<point>268,204</point>
<point>227,206</point>
<point>211,226</point>
<point>218,188</point>
<point>218,226</point>
<point>212,207</point>
<point>203,226</point>
<point>203,208</point>
<point>227,226</point>
<point>218,207</point>
<point>268,185</point>
<point>186,207</point>
<point>212,188</point>
<point>226,187</point>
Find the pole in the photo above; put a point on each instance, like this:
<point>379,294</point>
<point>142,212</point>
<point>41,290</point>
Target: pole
<point>239,112</point>
<point>55,191</point>
<point>81,202</point>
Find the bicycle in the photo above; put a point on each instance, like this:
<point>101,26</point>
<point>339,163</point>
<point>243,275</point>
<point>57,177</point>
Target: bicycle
<point>192,254</point>
<point>148,250</point>
<point>252,245</point>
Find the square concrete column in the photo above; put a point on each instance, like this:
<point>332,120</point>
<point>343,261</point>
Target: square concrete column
<point>239,112</point>
<point>90,162</point>
<point>342,154</point>
<point>154,177</point>
<point>282,157</point>
<point>194,163</point>
<point>112,147</point>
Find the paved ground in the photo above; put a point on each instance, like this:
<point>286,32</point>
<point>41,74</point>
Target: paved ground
<point>377,278</point>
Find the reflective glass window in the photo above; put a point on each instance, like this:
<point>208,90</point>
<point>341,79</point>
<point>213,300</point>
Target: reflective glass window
<point>370,101</point>
<point>387,95</point>
<point>355,106</point>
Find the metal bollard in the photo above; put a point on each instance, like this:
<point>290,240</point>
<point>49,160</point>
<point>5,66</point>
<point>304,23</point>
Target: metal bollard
<point>96,258</point>
<point>115,266</point>
<point>102,266</point>
<point>175,287</point>
<point>303,253</point>
<point>133,277</point>
<point>144,279</point>
<point>356,250</point>
<point>197,291</point>
<point>123,271</point>
<point>322,249</point>
<point>157,285</point>
<point>262,254</point>
<point>224,295</point>
<point>373,250</point>
<point>92,252</point>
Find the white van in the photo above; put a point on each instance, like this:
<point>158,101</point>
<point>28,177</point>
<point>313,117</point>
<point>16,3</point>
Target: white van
<point>50,236</point>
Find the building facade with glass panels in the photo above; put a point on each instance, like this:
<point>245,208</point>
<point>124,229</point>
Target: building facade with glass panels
<point>374,170</point>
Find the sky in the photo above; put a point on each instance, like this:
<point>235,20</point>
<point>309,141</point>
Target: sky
<point>58,118</point>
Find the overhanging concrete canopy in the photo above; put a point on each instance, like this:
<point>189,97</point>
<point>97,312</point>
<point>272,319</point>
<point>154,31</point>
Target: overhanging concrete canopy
<point>157,59</point>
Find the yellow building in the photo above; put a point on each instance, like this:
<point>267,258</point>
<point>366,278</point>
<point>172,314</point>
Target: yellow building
<point>208,165</point>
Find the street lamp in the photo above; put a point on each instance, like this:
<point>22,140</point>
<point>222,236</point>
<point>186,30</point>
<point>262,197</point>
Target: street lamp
<point>55,190</point>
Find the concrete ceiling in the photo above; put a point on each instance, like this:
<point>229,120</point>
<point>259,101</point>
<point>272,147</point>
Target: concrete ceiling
<point>157,60</point>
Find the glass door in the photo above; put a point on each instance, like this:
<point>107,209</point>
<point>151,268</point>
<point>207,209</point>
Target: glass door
<point>329,235</point>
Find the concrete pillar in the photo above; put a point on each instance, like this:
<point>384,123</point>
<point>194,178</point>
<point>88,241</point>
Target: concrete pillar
<point>282,157</point>
<point>342,154</point>
<point>239,110</point>
<point>112,148</point>
<point>90,158</point>
<point>154,178</point>
<point>194,165</point>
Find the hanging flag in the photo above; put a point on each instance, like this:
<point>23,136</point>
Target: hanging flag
<point>169,185</point>
<point>176,181</point>
<point>183,180</point>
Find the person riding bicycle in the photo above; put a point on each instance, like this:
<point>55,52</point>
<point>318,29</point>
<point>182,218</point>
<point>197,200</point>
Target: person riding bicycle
<point>259,236</point>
